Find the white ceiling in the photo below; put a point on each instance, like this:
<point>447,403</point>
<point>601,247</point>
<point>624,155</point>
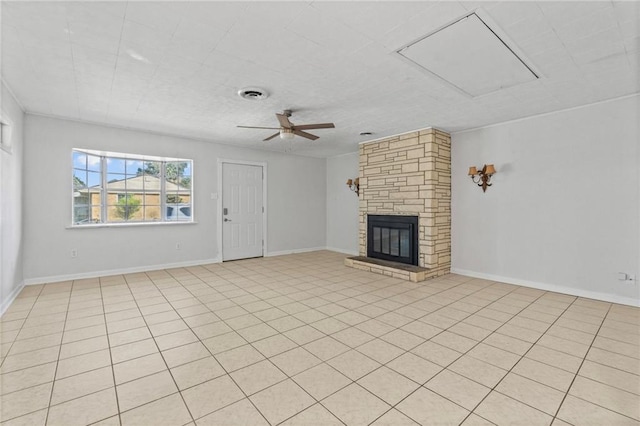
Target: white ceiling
<point>326,60</point>
<point>471,57</point>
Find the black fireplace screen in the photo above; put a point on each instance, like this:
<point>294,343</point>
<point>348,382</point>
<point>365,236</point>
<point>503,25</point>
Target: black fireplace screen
<point>393,238</point>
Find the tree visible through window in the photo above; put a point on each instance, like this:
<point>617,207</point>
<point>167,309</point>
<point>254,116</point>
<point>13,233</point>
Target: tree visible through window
<point>112,188</point>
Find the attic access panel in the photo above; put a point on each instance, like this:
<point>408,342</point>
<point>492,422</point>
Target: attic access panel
<point>470,56</point>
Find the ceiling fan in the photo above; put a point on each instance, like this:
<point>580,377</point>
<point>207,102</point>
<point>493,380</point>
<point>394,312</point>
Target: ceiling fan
<point>287,129</point>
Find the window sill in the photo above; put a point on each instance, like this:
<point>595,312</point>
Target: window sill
<point>128,225</point>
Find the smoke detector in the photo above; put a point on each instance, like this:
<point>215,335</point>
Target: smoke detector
<point>253,94</point>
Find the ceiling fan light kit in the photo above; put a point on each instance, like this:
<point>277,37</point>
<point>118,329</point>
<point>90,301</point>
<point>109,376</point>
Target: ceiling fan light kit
<point>288,130</point>
<point>286,134</point>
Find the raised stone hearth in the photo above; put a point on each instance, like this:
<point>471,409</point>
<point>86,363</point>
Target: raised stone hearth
<point>409,174</point>
<point>385,267</point>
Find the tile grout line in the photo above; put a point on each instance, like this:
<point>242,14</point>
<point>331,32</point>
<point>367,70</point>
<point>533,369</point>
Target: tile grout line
<point>287,377</point>
<point>55,373</point>
<point>113,372</point>
<point>532,302</point>
<point>300,290</point>
<point>222,366</point>
<point>159,352</point>
<point>374,337</point>
<point>227,372</point>
<point>22,326</point>
<point>461,355</point>
<point>405,351</point>
<point>578,373</point>
<point>493,389</point>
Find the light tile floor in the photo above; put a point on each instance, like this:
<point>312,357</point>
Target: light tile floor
<point>303,340</point>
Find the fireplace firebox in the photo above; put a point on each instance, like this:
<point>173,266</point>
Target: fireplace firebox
<point>393,237</point>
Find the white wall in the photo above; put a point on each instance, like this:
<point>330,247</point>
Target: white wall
<point>342,204</point>
<point>563,213</point>
<point>11,203</point>
<point>296,203</point>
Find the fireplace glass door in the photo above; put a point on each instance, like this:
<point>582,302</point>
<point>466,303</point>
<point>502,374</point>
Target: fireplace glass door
<point>393,238</point>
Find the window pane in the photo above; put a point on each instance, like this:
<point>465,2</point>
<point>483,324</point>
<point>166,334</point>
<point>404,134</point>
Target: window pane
<point>184,176</point>
<point>151,168</point>
<point>79,160</point>
<point>133,183</point>
<point>95,198</point>
<point>134,167</point>
<point>178,191</point>
<point>152,213</point>
<point>114,177</point>
<point>173,211</point>
<point>173,171</point>
<point>404,243</point>
<point>81,214</point>
<point>175,198</point>
<point>115,165</point>
<point>79,179</point>
<point>93,163</point>
<point>394,241</point>
<point>128,207</point>
<point>113,215</point>
<point>385,241</point>
<point>86,201</point>
<point>94,179</point>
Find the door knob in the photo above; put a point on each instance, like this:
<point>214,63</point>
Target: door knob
<point>227,220</point>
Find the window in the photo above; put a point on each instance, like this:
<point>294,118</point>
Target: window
<point>121,188</point>
<point>5,133</point>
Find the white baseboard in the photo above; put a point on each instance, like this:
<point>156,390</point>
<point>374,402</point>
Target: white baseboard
<point>294,251</point>
<point>551,287</point>
<point>306,250</point>
<point>12,296</point>
<point>105,273</point>
<point>343,251</point>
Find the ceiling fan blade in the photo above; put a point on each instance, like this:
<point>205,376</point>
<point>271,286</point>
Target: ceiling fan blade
<point>271,137</point>
<point>284,121</point>
<point>305,134</point>
<point>315,126</point>
<point>256,127</point>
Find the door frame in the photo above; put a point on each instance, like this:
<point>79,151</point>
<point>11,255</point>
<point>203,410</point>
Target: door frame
<point>261,164</point>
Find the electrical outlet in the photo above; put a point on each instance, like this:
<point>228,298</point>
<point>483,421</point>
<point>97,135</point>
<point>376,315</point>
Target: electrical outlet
<point>628,278</point>
<point>74,252</point>
<point>178,246</point>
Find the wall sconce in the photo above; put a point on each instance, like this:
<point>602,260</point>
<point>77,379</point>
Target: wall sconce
<point>483,176</point>
<point>354,185</point>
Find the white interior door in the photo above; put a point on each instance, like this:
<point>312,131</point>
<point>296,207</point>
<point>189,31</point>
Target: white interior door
<point>242,211</point>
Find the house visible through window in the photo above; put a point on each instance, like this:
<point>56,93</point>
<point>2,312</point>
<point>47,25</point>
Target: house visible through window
<point>118,188</point>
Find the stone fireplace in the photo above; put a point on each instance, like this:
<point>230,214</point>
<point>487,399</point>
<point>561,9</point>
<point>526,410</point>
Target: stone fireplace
<point>407,175</point>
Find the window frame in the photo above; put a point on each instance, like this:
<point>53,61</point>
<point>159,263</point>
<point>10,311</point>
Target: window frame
<point>104,221</point>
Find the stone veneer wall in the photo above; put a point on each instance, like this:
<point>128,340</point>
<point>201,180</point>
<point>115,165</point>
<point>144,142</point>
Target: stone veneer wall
<point>410,174</point>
